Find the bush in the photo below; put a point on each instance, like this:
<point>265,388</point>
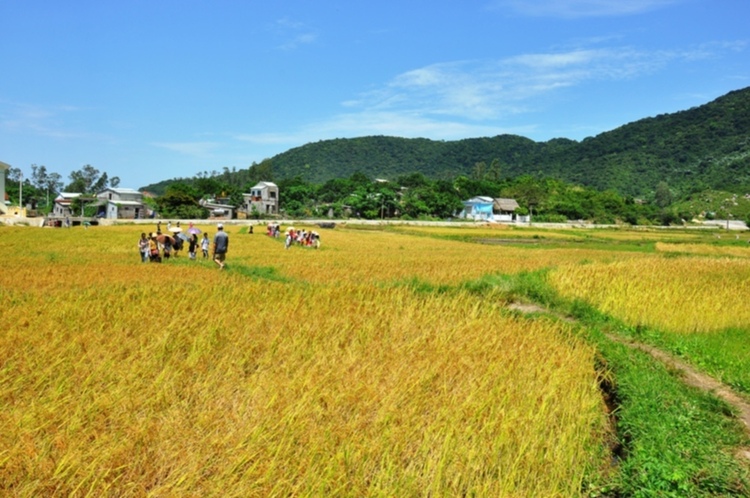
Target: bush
<point>550,218</point>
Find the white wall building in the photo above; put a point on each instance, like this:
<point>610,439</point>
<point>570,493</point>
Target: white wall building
<point>264,197</point>
<point>121,203</point>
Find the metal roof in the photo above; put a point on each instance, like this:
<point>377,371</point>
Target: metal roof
<point>262,185</point>
<point>119,190</point>
<point>125,203</point>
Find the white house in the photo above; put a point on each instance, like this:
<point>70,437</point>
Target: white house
<point>264,197</point>
<point>121,203</point>
<point>217,210</point>
<point>61,209</point>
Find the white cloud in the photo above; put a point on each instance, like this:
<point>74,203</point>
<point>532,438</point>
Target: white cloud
<point>195,149</point>
<point>460,99</point>
<point>549,61</point>
<point>302,39</point>
<point>492,90</point>
<point>582,8</point>
<point>293,33</point>
<point>44,121</point>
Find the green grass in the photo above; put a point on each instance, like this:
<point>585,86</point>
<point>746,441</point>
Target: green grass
<point>722,354</point>
<point>674,440</point>
<point>256,272</point>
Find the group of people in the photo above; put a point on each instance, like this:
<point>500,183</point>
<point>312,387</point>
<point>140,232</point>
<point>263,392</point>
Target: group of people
<point>302,238</point>
<point>157,246</point>
<point>273,230</point>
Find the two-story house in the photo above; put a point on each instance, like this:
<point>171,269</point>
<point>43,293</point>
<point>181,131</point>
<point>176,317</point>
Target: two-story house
<point>121,203</point>
<point>62,207</point>
<point>263,199</point>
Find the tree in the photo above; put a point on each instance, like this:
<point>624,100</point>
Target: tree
<point>334,190</point>
<point>180,201</point>
<point>84,204</point>
<point>412,180</point>
<point>359,178</point>
<point>87,180</point>
<point>39,176</point>
<point>528,192</point>
<point>14,174</point>
<point>495,170</point>
<point>54,183</point>
<point>260,172</point>
<point>45,183</point>
<point>479,171</point>
<point>446,202</point>
<point>663,196</point>
<point>415,203</point>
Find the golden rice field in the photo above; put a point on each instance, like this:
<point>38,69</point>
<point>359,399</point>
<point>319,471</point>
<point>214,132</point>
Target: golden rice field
<point>675,294</point>
<point>705,249</point>
<point>291,373</point>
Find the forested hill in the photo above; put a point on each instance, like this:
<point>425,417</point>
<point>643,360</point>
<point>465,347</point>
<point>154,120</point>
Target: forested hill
<point>706,147</point>
<point>703,147</point>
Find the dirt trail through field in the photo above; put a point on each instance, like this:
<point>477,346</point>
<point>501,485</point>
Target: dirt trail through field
<point>694,378</point>
<point>689,374</point>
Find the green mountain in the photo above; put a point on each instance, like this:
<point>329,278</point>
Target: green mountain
<point>706,147</point>
<point>703,147</point>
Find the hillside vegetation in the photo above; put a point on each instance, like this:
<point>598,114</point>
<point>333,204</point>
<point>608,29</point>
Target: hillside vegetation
<point>703,147</point>
<point>674,163</point>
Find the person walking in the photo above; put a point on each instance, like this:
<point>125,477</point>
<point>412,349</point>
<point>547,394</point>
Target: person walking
<point>205,243</point>
<point>192,245</point>
<point>143,247</point>
<point>221,245</point>
<point>167,247</point>
<point>153,248</point>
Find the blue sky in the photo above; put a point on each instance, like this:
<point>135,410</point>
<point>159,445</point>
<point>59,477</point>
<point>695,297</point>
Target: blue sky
<point>152,90</point>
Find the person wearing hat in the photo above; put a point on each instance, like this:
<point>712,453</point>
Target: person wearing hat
<point>221,245</point>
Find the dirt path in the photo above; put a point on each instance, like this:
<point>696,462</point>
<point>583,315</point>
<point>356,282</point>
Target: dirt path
<point>690,375</point>
<point>694,378</point>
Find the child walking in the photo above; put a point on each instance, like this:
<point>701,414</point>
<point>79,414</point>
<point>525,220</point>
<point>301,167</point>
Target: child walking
<point>205,244</point>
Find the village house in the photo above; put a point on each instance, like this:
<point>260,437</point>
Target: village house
<point>484,208</point>
<point>63,202</point>
<point>121,203</point>
<point>263,199</point>
<point>218,209</point>
<point>478,208</point>
<point>504,209</point>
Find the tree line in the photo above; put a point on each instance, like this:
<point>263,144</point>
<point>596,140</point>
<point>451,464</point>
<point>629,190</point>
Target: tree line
<point>415,197</point>
<point>39,190</point>
<point>411,196</point>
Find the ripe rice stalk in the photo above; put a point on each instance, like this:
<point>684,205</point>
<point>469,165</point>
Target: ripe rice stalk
<point>182,379</point>
<point>674,294</point>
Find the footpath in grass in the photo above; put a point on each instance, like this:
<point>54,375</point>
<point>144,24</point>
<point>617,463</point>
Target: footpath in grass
<point>673,439</point>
